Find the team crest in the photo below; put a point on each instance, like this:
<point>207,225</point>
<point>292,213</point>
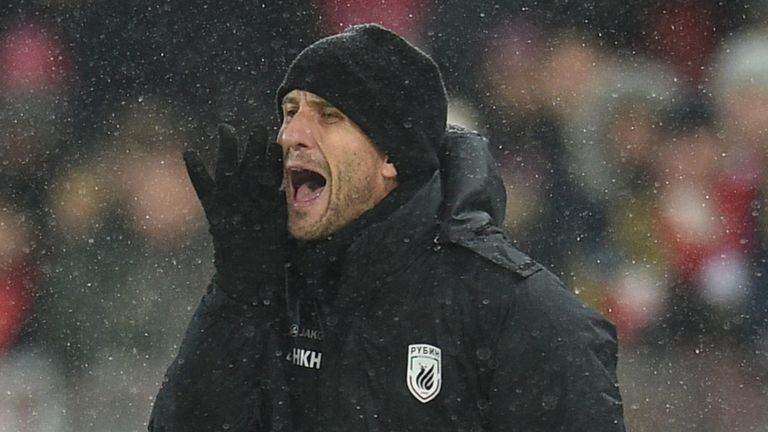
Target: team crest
<point>424,376</point>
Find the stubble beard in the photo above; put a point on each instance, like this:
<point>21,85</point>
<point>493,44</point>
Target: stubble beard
<point>352,199</point>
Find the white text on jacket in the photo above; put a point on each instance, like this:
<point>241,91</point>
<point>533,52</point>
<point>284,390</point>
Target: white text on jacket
<point>306,358</point>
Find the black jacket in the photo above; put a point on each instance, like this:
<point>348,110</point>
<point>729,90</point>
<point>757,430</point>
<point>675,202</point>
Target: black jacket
<point>429,320</point>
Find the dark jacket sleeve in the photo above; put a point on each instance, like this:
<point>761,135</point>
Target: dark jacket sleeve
<point>554,367</point>
<point>227,374</point>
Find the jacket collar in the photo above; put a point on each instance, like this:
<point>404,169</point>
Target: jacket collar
<point>383,248</point>
<point>366,243</point>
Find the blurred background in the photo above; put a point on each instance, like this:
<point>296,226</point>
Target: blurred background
<point>632,136</point>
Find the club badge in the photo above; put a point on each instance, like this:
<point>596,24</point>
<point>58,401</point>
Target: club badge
<point>424,375</point>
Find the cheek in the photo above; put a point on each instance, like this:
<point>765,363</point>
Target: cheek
<point>350,171</point>
<point>350,154</point>
<point>363,167</point>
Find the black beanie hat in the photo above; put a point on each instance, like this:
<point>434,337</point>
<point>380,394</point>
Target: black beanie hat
<point>389,88</point>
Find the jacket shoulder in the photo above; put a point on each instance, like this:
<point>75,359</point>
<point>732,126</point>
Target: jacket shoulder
<point>491,244</point>
<point>519,287</point>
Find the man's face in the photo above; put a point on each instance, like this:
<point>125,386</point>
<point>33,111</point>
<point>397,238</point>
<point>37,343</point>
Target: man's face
<point>333,171</point>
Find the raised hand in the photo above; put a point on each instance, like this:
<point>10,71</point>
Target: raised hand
<point>246,212</point>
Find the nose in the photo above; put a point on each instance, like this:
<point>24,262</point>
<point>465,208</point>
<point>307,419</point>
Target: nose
<point>298,132</point>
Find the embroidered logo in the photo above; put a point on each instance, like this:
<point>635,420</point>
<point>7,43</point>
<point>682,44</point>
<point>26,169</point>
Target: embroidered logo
<point>424,375</point>
<point>296,331</point>
<point>305,358</point>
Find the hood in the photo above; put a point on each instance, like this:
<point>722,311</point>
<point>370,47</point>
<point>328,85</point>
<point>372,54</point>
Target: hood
<point>474,201</point>
<point>473,192</point>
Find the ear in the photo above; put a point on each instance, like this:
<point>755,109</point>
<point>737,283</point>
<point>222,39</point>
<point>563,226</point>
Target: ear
<point>388,170</point>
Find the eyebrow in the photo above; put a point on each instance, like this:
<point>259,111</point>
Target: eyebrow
<point>312,100</point>
<point>289,99</point>
<point>320,102</point>
<point>323,102</point>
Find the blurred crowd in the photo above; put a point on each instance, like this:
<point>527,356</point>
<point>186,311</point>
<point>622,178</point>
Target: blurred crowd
<point>632,137</point>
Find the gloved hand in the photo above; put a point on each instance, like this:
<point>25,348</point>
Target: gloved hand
<point>247,214</point>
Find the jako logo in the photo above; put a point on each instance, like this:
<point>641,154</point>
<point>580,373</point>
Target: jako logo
<point>424,377</point>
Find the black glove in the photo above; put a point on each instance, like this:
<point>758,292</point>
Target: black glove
<point>246,211</point>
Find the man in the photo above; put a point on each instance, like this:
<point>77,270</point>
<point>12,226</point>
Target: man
<point>374,290</point>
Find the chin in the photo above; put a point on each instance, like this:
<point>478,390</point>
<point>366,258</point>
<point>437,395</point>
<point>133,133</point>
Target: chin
<point>299,234</point>
<point>305,231</point>
<point>303,225</point>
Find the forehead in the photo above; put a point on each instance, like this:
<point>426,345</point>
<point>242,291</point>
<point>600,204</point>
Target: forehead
<point>295,96</point>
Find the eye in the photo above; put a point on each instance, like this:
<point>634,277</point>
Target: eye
<point>289,111</point>
<point>331,115</point>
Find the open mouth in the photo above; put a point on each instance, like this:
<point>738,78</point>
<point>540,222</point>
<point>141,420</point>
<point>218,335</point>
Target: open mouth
<point>307,185</point>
